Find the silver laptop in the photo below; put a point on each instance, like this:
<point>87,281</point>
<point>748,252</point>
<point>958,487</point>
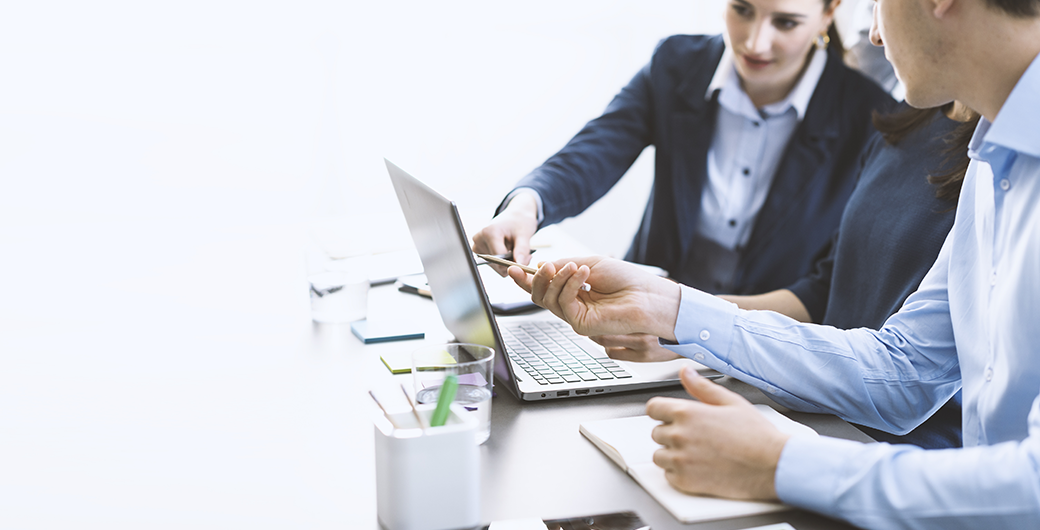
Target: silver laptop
<point>536,359</point>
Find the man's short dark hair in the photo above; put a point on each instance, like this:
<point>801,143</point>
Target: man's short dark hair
<point>1017,8</point>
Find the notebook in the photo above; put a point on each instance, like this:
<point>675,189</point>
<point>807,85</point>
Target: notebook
<point>536,358</point>
<point>627,442</point>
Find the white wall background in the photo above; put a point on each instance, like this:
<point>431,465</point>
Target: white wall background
<point>161,164</point>
<point>281,112</point>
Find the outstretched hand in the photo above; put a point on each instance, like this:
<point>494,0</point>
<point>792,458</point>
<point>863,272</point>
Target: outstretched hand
<point>719,445</point>
<point>623,299</point>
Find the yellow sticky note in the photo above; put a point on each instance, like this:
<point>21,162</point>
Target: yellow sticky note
<point>400,362</point>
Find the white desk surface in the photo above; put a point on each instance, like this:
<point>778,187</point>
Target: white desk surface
<point>190,389</point>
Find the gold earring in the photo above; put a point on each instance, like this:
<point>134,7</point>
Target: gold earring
<point>822,40</point>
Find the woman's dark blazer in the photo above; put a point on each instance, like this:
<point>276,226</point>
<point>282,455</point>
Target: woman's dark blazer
<point>665,106</point>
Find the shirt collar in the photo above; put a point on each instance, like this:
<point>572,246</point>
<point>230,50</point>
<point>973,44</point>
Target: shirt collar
<point>727,82</point>
<point>1014,128</point>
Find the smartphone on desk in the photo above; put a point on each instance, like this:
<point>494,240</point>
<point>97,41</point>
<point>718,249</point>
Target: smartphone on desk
<point>606,521</point>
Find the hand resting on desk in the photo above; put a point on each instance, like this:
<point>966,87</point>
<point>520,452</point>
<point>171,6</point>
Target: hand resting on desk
<point>717,446</point>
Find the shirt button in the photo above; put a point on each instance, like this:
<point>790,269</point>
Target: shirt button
<point>705,335</point>
<point>1005,184</point>
<point>993,278</point>
<point>747,171</point>
<point>989,374</point>
<point>733,222</point>
<point>698,356</point>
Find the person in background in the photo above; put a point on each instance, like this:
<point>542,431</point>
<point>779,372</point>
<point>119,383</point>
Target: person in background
<point>864,56</point>
<point>970,324</point>
<point>757,133</point>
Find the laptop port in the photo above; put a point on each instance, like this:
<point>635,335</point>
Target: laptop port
<point>563,393</point>
<point>581,392</point>
<point>598,390</point>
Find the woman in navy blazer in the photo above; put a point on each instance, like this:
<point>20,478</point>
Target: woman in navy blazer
<point>668,105</point>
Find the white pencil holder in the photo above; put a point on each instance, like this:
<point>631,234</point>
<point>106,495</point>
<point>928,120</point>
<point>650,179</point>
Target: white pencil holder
<point>427,480</point>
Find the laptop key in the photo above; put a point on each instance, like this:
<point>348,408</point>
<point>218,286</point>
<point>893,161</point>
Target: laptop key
<point>571,378</point>
<point>604,375</point>
<point>587,376</point>
<point>622,375</point>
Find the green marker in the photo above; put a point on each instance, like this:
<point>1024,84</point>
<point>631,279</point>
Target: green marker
<point>448,389</point>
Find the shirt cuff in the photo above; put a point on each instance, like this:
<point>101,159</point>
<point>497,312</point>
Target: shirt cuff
<point>704,320</point>
<point>807,475</point>
<point>532,192</point>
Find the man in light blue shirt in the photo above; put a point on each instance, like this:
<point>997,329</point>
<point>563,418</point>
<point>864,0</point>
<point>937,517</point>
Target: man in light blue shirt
<point>973,323</point>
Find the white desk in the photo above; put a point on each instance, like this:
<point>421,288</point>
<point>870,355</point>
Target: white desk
<point>190,389</point>
<point>536,464</point>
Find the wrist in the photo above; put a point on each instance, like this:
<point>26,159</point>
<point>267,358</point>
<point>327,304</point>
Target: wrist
<point>663,308</point>
<point>523,203</point>
<point>766,489</point>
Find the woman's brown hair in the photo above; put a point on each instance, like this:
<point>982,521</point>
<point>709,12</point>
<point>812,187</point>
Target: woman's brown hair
<point>894,127</point>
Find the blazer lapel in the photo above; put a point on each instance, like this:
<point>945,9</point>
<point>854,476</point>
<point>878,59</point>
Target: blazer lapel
<point>691,127</point>
<point>802,161</point>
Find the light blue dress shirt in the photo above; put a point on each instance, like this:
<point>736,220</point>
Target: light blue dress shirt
<point>975,321</point>
<point>746,150</point>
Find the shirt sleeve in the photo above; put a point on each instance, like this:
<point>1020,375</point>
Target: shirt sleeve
<point>889,379</point>
<point>815,289</point>
<point>902,486</point>
<point>598,156</point>
<point>529,191</point>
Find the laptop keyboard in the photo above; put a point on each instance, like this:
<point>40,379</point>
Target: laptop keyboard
<point>532,345</point>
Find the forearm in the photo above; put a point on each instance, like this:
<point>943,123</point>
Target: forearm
<point>781,301</point>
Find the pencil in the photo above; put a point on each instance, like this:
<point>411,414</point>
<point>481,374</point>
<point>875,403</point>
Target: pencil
<point>414,411</point>
<point>382,408</point>
<point>526,268</point>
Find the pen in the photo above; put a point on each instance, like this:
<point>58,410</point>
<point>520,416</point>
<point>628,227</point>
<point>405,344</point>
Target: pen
<point>447,395</point>
<point>526,268</point>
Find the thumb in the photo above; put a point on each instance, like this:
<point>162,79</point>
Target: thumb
<point>522,250</point>
<point>705,391</point>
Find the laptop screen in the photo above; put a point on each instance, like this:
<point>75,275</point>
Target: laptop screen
<point>448,263</point>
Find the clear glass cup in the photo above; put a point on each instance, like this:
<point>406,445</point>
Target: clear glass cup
<point>338,288</point>
<point>337,297</point>
<point>473,364</point>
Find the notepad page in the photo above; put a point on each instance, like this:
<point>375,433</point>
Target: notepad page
<point>691,508</point>
<point>617,434</point>
<point>629,438</point>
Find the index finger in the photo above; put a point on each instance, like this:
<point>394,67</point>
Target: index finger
<point>666,409</point>
<point>522,250</point>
